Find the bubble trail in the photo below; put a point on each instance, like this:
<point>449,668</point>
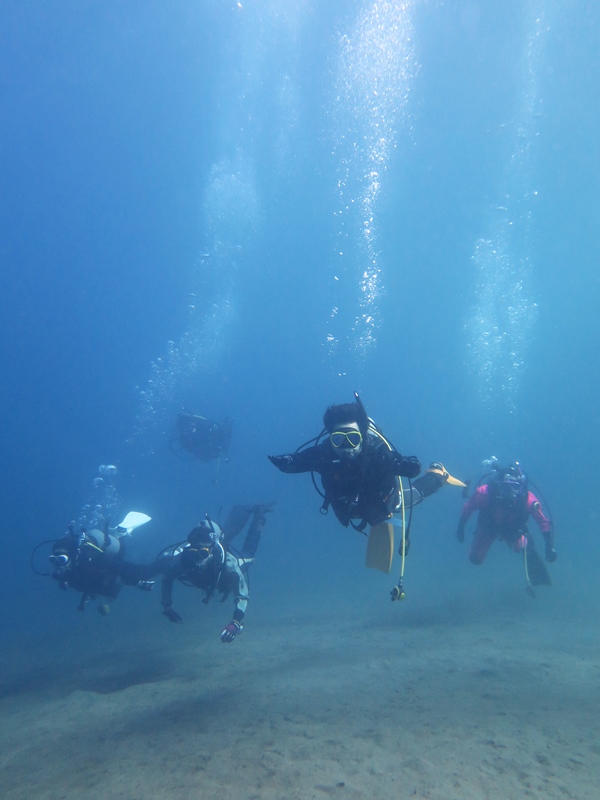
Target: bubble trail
<point>230,213</point>
<point>376,67</point>
<point>503,318</point>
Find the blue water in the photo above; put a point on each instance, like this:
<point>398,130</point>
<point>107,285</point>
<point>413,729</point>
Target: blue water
<point>253,209</point>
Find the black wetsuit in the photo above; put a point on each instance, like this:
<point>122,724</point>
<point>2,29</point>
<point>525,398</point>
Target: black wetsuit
<point>97,565</point>
<point>362,488</point>
<point>202,437</point>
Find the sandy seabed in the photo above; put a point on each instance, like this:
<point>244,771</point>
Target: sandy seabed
<point>398,704</point>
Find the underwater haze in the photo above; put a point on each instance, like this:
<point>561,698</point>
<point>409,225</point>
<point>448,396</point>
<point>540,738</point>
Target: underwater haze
<point>252,210</point>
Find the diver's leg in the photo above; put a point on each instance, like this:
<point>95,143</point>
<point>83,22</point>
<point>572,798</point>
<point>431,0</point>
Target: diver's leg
<point>412,497</point>
<point>236,522</point>
<point>425,485</point>
<point>255,530</point>
<point>482,541</point>
<point>131,574</point>
<point>521,542</point>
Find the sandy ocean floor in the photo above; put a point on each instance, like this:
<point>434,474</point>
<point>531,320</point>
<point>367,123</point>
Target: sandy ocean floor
<point>395,704</point>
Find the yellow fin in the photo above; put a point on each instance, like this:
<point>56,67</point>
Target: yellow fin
<point>443,472</point>
<point>380,547</point>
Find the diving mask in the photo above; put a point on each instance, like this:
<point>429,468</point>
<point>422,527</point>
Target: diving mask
<point>60,560</point>
<point>200,555</point>
<point>346,439</point>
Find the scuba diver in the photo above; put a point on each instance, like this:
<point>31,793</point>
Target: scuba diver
<point>504,503</point>
<point>359,468</point>
<point>207,561</point>
<point>203,438</point>
<point>361,474</point>
<point>93,562</point>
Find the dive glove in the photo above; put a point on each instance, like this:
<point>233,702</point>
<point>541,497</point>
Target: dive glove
<point>410,466</point>
<point>281,462</point>
<point>171,614</point>
<point>551,554</point>
<point>460,534</point>
<point>230,631</point>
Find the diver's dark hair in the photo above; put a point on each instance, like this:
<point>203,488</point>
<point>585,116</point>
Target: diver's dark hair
<point>512,472</point>
<point>335,416</point>
<point>201,533</point>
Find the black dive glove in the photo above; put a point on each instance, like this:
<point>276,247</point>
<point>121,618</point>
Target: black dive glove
<point>171,614</point>
<point>460,533</point>
<point>281,462</point>
<point>551,554</point>
<point>411,466</point>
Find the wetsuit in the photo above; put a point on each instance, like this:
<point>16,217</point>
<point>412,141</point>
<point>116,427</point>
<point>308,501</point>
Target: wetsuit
<point>362,488</point>
<point>202,437</point>
<point>97,565</point>
<point>425,485</point>
<point>237,520</point>
<point>226,578</point>
<point>499,521</point>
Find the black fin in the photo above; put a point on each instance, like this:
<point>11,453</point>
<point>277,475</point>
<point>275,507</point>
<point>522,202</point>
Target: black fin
<point>538,574</point>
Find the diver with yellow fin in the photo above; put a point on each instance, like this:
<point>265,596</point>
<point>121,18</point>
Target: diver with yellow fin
<point>361,474</point>
<point>358,467</point>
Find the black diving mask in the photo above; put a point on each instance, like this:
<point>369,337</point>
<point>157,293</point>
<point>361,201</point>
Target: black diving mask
<point>509,491</point>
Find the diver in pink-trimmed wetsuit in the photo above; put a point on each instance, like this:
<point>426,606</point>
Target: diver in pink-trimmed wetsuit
<point>505,505</point>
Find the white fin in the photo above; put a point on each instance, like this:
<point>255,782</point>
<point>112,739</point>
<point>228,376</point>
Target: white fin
<point>132,521</point>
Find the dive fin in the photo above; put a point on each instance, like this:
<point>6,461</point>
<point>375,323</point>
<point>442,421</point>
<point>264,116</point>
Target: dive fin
<point>455,482</point>
<point>132,521</point>
<point>538,574</point>
<point>380,547</point>
<point>439,469</point>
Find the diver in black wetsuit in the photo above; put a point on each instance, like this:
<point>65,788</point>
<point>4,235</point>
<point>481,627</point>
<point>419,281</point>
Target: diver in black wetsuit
<point>93,563</point>
<point>359,468</point>
<point>203,438</point>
